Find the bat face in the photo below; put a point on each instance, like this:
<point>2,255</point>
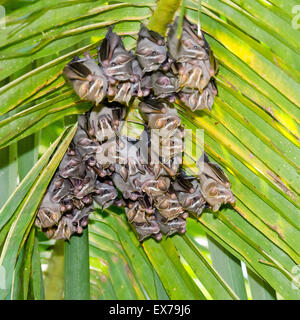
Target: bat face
<point>215,194</point>
<point>147,230</point>
<point>214,185</point>
<point>188,193</point>
<point>194,74</point>
<point>151,50</point>
<point>104,122</point>
<point>156,187</point>
<point>49,213</point>
<point>114,58</point>
<point>63,230</point>
<point>168,206</point>
<point>87,79</point>
<point>122,69</point>
<point>164,85</point>
<point>129,158</point>
<point>84,145</point>
<point>159,114</point>
<point>189,46</point>
<point>105,194</point>
<point>72,166</point>
<point>136,213</point>
<point>62,188</point>
<point>196,100</point>
<point>214,171</point>
<point>122,92</point>
<point>87,184</point>
<point>194,202</point>
<point>177,225</point>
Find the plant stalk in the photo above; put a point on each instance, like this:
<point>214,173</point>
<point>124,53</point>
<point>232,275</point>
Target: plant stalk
<point>77,273</point>
<point>163,15</point>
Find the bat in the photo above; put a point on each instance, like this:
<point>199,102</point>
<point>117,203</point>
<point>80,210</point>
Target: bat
<point>151,50</point>
<point>87,78</point>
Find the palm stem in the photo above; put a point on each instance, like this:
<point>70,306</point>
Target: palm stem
<point>163,15</point>
<point>77,273</point>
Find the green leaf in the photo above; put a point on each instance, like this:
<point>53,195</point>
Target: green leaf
<point>260,289</point>
<point>27,154</point>
<point>54,275</point>
<point>77,273</point>
<point>10,207</point>
<point>114,235</point>
<point>206,274</point>
<point>36,284</point>
<point>166,261</point>
<point>229,268</point>
<point>253,132</point>
<point>21,278</point>
<point>25,213</point>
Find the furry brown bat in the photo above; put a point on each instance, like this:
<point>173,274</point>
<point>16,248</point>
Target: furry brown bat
<point>49,212</point>
<point>144,175</point>
<point>196,100</point>
<point>194,74</point>
<point>151,49</point>
<point>85,146</point>
<point>105,122</point>
<point>164,85</point>
<point>168,206</point>
<point>159,114</point>
<point>115,60</point>
<point>69,224</point>
<point>214,184</point>
<point>177,225</point>
<point>189,46</point>
<point>86,185</point>
<point>146,230</point>
<point>139,211</point>
<point>72,166</point>
<point>105,194</point>
<point>87,78</point>
<point>123,71</point>
<point>188,192</point>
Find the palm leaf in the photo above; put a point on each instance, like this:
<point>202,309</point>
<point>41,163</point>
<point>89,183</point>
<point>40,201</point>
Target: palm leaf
<point>252,132</point>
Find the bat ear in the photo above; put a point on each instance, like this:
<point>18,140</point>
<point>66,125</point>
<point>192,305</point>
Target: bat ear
<point>205,156</point>
<point>176,20</point>
<point>151,35</point>
<point>188,24</point>
<point>108,45</point>
<point>80,68</point>
<point>217,170</point>
<point>143,33</point>
<point>103,51</point>
<point>76,58</point>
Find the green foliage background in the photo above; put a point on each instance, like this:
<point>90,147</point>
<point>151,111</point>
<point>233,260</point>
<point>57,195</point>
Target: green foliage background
<point>252,132</point>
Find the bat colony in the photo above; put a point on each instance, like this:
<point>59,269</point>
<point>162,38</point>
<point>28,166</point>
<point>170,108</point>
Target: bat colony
<point>104,166</point>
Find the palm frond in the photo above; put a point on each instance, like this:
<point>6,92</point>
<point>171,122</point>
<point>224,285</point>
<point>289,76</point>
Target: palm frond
<point>252,132</point>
